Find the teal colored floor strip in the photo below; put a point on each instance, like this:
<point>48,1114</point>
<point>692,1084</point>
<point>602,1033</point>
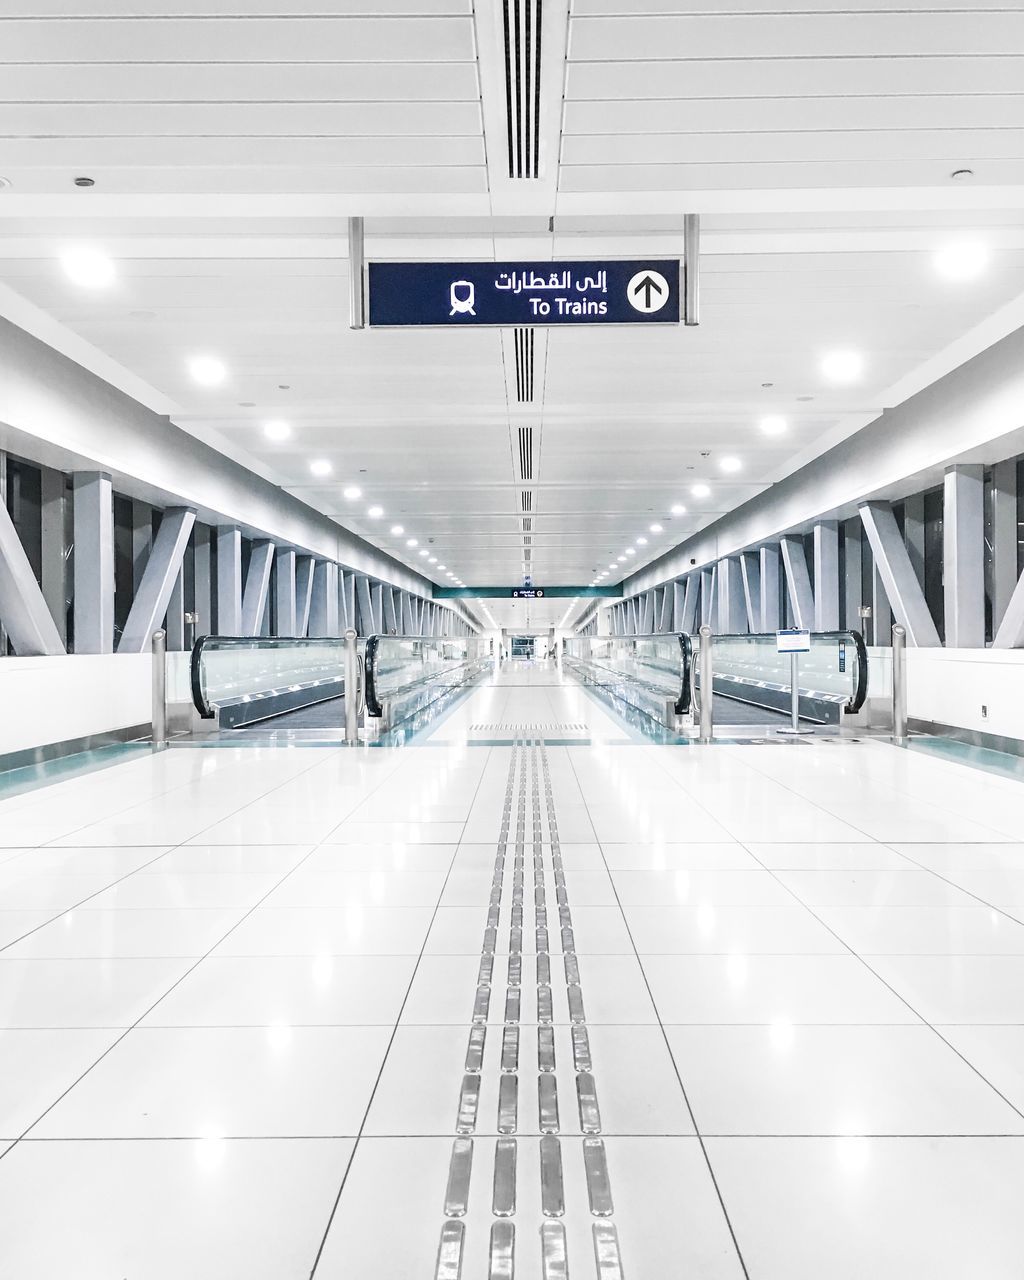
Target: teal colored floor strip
<point>15,782</point>
<point>984,758</point>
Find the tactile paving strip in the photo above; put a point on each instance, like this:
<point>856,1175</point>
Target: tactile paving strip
<point>529,764</point>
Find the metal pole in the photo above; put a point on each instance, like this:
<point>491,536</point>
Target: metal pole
<point>707,724</point>
<point>794,690</point>
<point>356,294</point>
<point>351,689</point>
<point>899,685</point>
<point>159,644</point>
<point>691,269</point>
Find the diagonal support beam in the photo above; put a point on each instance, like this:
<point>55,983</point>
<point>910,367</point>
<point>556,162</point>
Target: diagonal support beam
<point>897,574</point>
<point>798,581</point>
<point>366,626</point>
<point>159,579</point>
<point>303,593</point>
<point>323,609</point>
<point>750,573</point>
<point>284,594</point>
<point>687,617</point>
<point>731,609</point>
<point>257,587</point>
<point>770,589</point>
<point>23,612</point>
<point>1010,634</point>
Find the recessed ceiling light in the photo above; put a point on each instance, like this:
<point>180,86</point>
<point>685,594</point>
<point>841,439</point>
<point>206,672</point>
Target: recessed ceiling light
<point>842,366</point>
<point>678,509</point>
<point>630,551</point>
<point>656,528</point>
<point>432,560</point>
<point>965,260</point>
<point>424,551</point>
<point>88,267</point>
<point>375,513</point>
<point>412,542</point>
<point>622,559</point>
<point>397,530</point>
<point>700,490</point>
<point>774,424</point>
<point>730,465</point>
<point>208,371</point>
<point>611,566</point>
<point>352,492</point>
<point>442,567</point>
<point>641,542</point>
<point>276,429</point>
<point>320,467</point>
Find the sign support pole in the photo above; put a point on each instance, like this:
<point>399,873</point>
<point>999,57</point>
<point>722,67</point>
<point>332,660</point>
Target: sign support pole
<point>357,294</point>
<point>691,269</point>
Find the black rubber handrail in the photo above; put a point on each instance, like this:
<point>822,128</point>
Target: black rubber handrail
<point>682,703</point>
<point>374,705</point>
<point>199,698</point>
<point>860,692</point>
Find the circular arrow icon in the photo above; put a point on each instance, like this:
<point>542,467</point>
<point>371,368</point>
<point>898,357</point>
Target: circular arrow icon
<point>647,291</point>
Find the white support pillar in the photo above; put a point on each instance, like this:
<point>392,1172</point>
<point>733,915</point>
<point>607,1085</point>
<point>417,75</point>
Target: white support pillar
<point>770,589</point>
<point>202,579</point>
<point>1004,538</point>
<point>750,574</point>
<point>323,609</point>
<point>94,562</point>
<point>731,611</point>
<point>826,576</point>
<point>161,582</point>
<point>377,607</point>
<point>707,596</point>
<point>284,594</point>
<point>142,540</point>
<point>963,555</point>
<point>364,606</point>
<point>53,547</point>
<point>896,573</point>
<point>348,596</point>
<point>667,607</point>
<point>257,588</point>
<point>23,611</point>
<point>913,533</point>
<point>390,617</point>
<point>853,585</point>
<point>303,593</point>
<point>229,581</point>
<point>798,581</point>
<point>688,616</point>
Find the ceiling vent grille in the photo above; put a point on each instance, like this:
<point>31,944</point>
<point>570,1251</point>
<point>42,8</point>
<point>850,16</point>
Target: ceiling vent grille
<point>527,541</point>
<point>524,343</point>
<point>522,86</point>
<point>526,499</point>
<point>527,556</point>
<point>526,453</point>
<point>527,524</point>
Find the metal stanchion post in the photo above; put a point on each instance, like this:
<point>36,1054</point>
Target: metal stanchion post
<point>159,645</point>
<point>707,722</point>
<point>899,685</point>
<point>351,689</point>
<point>794,691</point>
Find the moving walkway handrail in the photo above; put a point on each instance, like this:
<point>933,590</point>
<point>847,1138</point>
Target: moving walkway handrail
<point>680,695</point>
<point>212,643</point>
<point>374,694</point>
<point>860,691</point>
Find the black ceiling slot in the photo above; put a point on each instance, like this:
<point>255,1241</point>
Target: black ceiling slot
<point>524,349</point>
<point>522,30</point>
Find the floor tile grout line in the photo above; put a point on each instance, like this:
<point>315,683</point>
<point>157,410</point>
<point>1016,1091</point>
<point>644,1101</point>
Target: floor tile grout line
<point>675,1066</point>
<point>959,887</point>
<point>899,996</point>
<point>397,1022</point>
<point>191,969</point>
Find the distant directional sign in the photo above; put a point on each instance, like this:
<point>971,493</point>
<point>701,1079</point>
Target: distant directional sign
<point>527,593</point>
<point>453,294</point>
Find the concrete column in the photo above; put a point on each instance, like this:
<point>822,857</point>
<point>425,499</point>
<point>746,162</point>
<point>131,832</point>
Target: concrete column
<point>707,596</point>
<point>161,593</point>
<point>94,562</point>
<point>963,554</point>
<point>826,576</point>
<point>798,581</point>
<point>913,533</point>
<point>257,588</point>
<point>323,612</point>
<point>303,593</point>
<point>174,621</point>
<point>750,575</point>
<point>284,594</point>
<point>229,581</point>
<point>54,548</point>
<point>770,620</point>
<point>852,587</point>
<point>26,620</point>
<point>203,579</point>
<point>1004,538</point>
<point>896,584</point>
<point>142,540</point>
<point>731,612</point>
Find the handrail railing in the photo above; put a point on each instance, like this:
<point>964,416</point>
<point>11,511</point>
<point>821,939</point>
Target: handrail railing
<point>406,673</point>
<point>647,671</point>
<point>266,673</point>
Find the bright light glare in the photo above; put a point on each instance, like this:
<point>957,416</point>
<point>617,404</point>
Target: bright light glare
<point>352,492</point>
<point>842,366</point>
<point>432,560</point>
<point>208,371</point>
<point>730,465</point>
<point>630,551</point>
<point>442,567</point>
<point>424,551</point>
<point>397,530</point>
<point>622,559</point>
<point>320,467</point>
<point>412,542</point>
<point>701,491</point>
<point>88,267</point>
<point>678,509</point>
<point>655,528</point>
<point>375,513</point>
<point>276,429</point>
<point>965,260</point>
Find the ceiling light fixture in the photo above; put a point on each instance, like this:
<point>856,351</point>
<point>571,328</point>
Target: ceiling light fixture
<point>208,371</point>
<point>622,559</point>
<point>320,467</point>
<point>375,513</point>
<point>656,528</point>
<point>442,567</point>
<point>88,267</point>
<point>641,542</point>
<point>412,542</point>
<point>397,530</point>
<point>730,465</point>
<point>630,551</point>
<point>842,366</point>
<point>352,492</point>
<point>701,491</point>
<point>276,429</point>
<point>678,509</point>
<point>424,551</point>
<point>774,424</point>
<point>965,260</point>
<point>432,560</point>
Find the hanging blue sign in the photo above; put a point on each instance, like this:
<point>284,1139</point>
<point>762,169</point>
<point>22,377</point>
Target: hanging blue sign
<point>453,294</point>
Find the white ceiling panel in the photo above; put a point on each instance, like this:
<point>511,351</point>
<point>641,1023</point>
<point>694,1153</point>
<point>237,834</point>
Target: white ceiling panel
<point>394,154</point>
<point>231,8</point>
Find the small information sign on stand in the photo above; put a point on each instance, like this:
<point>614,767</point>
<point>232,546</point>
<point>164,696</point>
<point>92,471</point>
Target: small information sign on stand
<point>794,641</point>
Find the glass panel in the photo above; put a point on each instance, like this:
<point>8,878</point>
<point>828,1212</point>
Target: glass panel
<point>646,672</point>
<point>408,672</point>
<point>227,671</point>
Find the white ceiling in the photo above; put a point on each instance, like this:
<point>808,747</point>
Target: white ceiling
<point>229,144</point>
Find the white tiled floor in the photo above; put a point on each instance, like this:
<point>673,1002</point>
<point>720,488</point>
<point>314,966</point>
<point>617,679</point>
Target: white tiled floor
<point>234,1010</point>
